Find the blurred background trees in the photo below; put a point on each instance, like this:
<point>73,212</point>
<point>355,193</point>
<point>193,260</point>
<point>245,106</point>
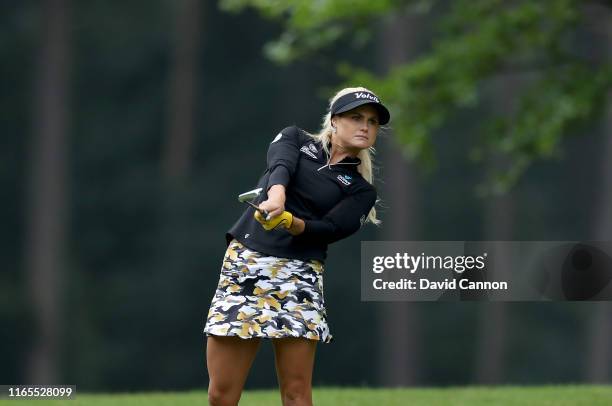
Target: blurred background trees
<point>128,131</point>
<point>48,193</point>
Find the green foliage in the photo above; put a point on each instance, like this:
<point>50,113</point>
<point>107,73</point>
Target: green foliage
<point>477,42</point>
<point>306,14</point>
<point>563,98</point>
<point>312,25</point>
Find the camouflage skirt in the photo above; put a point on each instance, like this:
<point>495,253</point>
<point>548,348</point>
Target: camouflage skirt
<point>268,297</point>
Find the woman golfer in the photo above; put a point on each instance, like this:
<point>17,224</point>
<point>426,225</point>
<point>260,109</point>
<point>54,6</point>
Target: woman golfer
<point>317,190</point>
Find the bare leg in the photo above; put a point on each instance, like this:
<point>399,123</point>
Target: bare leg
<point>294,359</point>
<point>229,360</point>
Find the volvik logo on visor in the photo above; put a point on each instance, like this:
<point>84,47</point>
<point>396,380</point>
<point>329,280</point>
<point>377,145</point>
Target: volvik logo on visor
<point>361,95</point>
<point>355,99</point>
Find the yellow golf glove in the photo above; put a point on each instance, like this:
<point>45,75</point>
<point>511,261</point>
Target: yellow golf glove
<point>285,219</point>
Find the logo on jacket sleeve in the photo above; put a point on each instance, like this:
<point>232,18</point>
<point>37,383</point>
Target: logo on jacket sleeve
<point>345,179</point>
<point>308,152</point>
<point>278,137</point>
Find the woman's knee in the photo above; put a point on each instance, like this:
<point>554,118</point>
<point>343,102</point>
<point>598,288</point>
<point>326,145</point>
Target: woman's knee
<point>298,392</point>
<point>223,395</point>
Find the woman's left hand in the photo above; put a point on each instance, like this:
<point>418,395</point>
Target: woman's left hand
<point>275,204</point>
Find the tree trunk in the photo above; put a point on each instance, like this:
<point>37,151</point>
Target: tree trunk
<point>600,326</point>
<point>490,353</point>
<point>599,330</point>
<point>175,203</point>
<point>499,219</point>
<point>47,191</point>
<point>183,86</point>
<point>399,342</point>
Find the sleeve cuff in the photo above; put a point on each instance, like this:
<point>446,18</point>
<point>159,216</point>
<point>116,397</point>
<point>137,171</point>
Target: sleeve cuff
<point>279,176</point>
<point>316,227</point>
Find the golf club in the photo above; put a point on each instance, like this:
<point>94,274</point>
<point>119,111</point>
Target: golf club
<point>247,198</point>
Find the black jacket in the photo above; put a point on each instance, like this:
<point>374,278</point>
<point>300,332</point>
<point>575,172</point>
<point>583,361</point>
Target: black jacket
<point>333,200</point>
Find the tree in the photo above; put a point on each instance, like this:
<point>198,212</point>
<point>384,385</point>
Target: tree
<point>176,221</point>
<point>46,213</point>
<point>599,330</point>
<point>399,350</point>
<point>597,368</point>
<point>183,85</point>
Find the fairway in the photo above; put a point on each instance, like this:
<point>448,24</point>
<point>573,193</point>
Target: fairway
<point>456,396</point>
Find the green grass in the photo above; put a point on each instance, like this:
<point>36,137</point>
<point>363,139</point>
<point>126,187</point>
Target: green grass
<point>472,396</point>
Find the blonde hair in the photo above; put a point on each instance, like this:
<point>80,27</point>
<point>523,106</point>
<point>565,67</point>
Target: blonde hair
<point>324,136</point>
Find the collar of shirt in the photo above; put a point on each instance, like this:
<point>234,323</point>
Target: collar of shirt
<point>347,162</point>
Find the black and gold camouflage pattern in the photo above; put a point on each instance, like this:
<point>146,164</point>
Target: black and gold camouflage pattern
<point>268,297</point>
